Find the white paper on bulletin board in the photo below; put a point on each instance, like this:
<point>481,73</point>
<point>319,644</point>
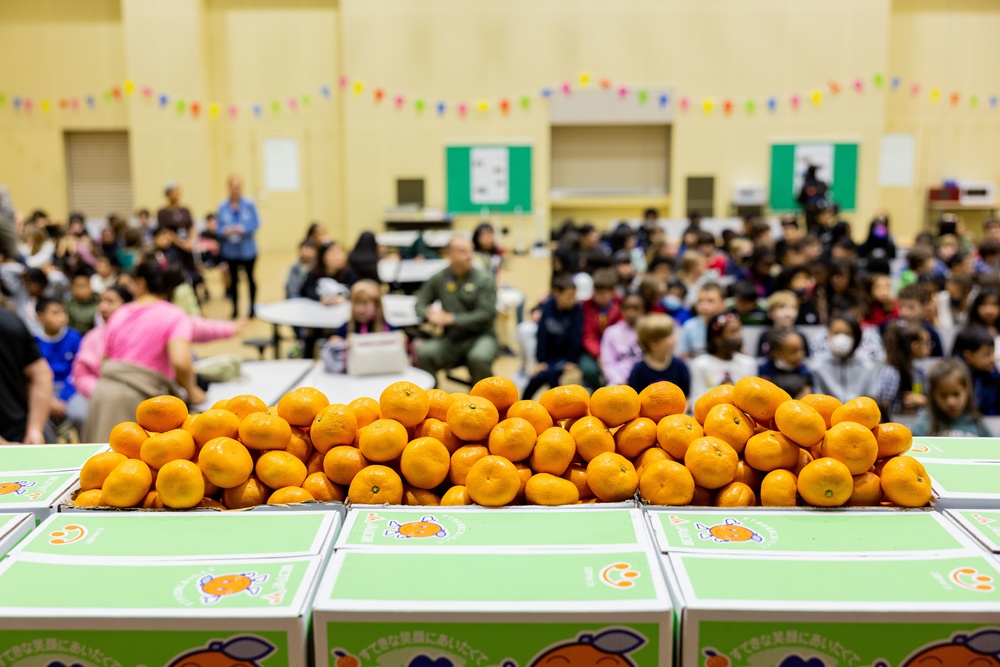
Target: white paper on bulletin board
<point>815,155</point>
<point>281,165</point>
<point>896,157</point>
<point>490,175</point>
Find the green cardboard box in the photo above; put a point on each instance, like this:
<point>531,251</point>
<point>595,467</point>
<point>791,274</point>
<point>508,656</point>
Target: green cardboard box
<point>795,532</point>
<point>956,449</point>
<point>983,525</point>
<point>491,530</point>
<point>13,527</point>
<point>245,613</point>
<point>177,536</point>
<point>37,492</point>
<point>413,608</point>
<point>67,507</point>
<point>46,458</point>
<point>971,485</point>
<point>836,611</point>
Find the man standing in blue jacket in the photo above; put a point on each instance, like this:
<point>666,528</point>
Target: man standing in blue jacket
<point>238,221</point>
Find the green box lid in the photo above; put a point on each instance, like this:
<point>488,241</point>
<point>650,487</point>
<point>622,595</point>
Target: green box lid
<point>13,527</point>
<point>209,588</point>
<point>173,536</point>
<point>416,580</point>
<point>970,582</point>
<point>490,529</point>
<point>46,458</point>
<point>790,532</point>
<point>956,449</point>
<point>31,490</point>
<point>967,481</point>
<point>984,525</point>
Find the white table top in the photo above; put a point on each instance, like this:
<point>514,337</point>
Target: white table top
<point>341,388</point>
<point>398,308</point>
<point>267,380</point>
<point>434,238</point>
<point>303,312</point>
<point>409,270</point>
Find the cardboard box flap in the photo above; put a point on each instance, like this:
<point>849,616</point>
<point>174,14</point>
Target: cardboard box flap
<point>13,527</point>
<point>956,449</point>
<point>968,582</point>
<point>513,581</point>
<point>390,528</point>
<point>965,479</point>
<point>30,490</point>
<point>47,587</point>
<point>46,458</point>
<point>790,532</point>
<point>170,536</point>
<point>983,525</point>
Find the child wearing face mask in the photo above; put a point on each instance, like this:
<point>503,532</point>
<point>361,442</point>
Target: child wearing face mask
<point>951,411</point>
<point>723,362</point>
<point>841,372</point>
<point>673,303</point>
<point>786,352</point>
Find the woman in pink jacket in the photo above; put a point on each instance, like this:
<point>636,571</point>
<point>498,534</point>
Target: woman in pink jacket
<point>87,364</point>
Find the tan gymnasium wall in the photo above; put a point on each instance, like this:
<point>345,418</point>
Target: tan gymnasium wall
<point>462,49</point>
<point>224,50</point>
<point>53,47</point>
<point>950,45</point>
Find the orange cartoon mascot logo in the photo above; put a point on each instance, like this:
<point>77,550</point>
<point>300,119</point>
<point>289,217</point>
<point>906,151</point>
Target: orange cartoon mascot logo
<point>981,649</point>
<point>609,648</point>
<point>14,488</point>
<point>239,652</point>
<point>214,588</point>
<point>428,526</point>
<point>729,530</point>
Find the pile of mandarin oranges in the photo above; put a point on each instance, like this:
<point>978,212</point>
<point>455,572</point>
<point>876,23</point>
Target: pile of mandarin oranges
<point>746,444</point>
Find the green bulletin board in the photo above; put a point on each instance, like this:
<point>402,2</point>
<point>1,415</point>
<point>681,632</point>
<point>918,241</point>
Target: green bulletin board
<point>787,161</point>
<point>493,177</point>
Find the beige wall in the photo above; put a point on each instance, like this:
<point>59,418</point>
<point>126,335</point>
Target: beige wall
<point>949,45</point>
<point>353,150</point>
<point>467,50</point>
<point>52,48</point>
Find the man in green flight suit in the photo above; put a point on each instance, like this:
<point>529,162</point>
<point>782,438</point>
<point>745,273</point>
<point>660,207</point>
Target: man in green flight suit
<point>468,306</point>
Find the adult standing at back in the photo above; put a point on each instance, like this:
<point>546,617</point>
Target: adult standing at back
<point>175,217</point>
<point>467,298</point>
<point>238,221</point>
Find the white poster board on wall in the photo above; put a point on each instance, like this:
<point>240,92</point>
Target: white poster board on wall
<point>490,175</point>
<point>281,165</point>
<point>896,158</point>
<point>818,155</point>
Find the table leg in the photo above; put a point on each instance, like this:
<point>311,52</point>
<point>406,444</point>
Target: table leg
<point>277,342</point>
